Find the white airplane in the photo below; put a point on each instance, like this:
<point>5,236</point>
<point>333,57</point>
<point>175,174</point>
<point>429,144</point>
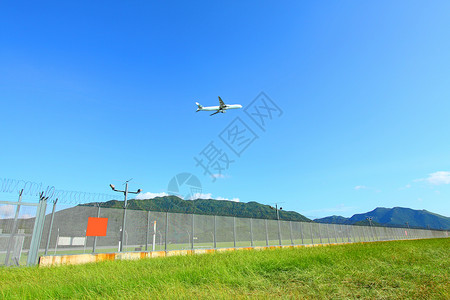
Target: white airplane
<point>222,108</point>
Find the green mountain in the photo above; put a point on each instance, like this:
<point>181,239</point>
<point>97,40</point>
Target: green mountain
<point>397,216</point>
<point>332,220</point>
<point>208,207</point>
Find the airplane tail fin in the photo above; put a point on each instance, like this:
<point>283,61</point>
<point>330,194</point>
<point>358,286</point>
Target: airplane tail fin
<point>199,106</point>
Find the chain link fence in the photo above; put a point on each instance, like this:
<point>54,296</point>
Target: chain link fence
<point>155,231</point>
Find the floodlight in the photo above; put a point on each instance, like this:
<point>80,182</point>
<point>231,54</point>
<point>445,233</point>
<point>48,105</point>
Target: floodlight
<point>139,190</point>
<point>112,187</point>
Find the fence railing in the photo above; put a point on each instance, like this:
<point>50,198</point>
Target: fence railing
<point>65,233</point>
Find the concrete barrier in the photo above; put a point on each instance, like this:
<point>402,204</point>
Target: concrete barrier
<point>77,259</point>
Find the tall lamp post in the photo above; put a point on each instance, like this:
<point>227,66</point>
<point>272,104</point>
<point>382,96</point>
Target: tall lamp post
<point>278,220</point>
<point>278,209</point>
<point>370,225</point>
<point>126,192</point>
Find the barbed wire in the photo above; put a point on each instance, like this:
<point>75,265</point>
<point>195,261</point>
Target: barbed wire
<point>30,188</point>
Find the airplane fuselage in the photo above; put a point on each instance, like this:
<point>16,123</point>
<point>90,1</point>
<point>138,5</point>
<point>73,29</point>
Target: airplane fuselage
<point>214,108</point>
<point>222,108</point>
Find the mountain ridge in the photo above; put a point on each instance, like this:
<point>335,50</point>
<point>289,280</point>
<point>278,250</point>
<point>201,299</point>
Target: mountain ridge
<point>396,216</point>
<point>228,208</point>
<point>381,216</point>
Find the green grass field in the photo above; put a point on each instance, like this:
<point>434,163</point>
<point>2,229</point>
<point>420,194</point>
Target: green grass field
<point>416,269</point>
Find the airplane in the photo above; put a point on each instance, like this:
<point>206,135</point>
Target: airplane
<point>222,108</point>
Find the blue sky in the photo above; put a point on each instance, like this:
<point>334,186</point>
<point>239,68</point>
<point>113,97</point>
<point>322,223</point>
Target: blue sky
<point>98,93</point>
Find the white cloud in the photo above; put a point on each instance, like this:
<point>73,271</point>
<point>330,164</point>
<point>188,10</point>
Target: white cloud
<point>363,187</point>
<point>150,195</point>
<point>233,199</point>
<point>201,196</point>
<point>7,211</point>
<point>360,187</point>
<point>220,176</point>
<point>209,196</point>
<point>438,178</point>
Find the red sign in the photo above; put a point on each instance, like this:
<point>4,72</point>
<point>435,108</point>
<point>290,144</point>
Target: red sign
<point>96,226</point>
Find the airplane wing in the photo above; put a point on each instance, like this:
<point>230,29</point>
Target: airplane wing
<point>215,112</point>
<point>222,105</point>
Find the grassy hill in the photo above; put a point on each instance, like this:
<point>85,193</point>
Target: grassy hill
<point>208,207</point>
<point>397,216</point>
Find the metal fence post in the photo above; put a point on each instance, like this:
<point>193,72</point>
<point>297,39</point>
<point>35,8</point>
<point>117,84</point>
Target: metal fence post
<point>348,233</point>
<point>312,238</point>
<point>192,231</point>
<point>95,237</point>
<point>279,232</point>
<point>154,236</point>
<point>290,232</point>
<point>328,233</point>
<point>37,231</point>
<point>215,242</point>
<point>320,236</point>
<point>345,229</point>
<point>335,233</point>
<point>234,232</point>
<point>267,233</point>
<point>351,234</point>
<point>251,232</point>
<point>166,231</point>
<point>364,231</point>
<point>148,231</point>
<point>57,240</point>
<point>375,235</point>
<point>124,220</point>
<point>301,231</point>
<point>369,233</point>
<point>14,229</point>
<point>364,236</point>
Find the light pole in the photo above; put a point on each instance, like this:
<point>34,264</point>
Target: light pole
<point>278,221</point>
<point>372,229</point>
<point>122,234</point>
<point>277,209</point>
